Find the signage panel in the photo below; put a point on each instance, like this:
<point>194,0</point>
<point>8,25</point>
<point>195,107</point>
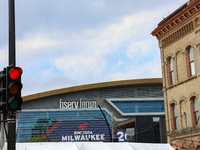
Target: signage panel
<point>82,131</point>
<point>77,104</point>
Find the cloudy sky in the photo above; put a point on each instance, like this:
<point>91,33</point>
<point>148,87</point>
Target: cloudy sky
<point>64,43</point>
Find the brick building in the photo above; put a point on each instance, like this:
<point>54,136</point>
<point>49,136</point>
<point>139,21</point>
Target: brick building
<point>179,42</point>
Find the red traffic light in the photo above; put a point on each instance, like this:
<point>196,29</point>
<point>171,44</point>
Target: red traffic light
<point>15,73</point>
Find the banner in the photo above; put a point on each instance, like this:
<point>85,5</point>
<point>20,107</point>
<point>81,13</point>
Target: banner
<point>82,131</point>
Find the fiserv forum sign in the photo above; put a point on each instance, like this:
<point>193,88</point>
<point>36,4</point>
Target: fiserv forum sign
<point>77,104</point>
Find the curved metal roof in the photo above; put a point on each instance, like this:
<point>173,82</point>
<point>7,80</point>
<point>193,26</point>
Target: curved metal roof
<point>121,83</point>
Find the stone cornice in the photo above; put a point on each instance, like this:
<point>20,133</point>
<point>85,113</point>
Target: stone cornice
<point>175,20</point>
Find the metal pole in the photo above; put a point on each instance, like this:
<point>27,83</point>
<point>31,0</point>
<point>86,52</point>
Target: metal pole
<point>2,131</point>
<point>11,115</point>
<point>11,32</point>
<point>113,136</point>
<point>107,124</point>
<point>11,131</point>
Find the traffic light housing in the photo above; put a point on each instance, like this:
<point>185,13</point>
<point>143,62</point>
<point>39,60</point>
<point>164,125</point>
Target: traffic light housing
<point>13,89</point>
<point>3,91</point>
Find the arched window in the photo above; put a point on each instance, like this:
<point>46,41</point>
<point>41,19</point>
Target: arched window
<point>191,62</point>
<point>171,71</point>
<point>195,111</point>
<point>174,117</point>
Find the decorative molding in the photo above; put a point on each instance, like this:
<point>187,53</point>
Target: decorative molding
<point>172,102</point>
<point>193,94</point>
<point>163,63</point>
<point>184,52</point>
<point>182,82</point>
<point>197,31</point>
<point>179,50</point>
<point>179,16</point>
<point>189,13</point>
<point>176,35</point>
<point>196,8</point>
<point>182,98</point>
<point>198,45</point>
<point>169,55</point>
<point>189,44</point>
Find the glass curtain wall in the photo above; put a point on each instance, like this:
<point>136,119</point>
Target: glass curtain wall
<point>33,124</point>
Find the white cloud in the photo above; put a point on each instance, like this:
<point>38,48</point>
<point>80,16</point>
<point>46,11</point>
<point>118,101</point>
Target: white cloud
<point>83,57</point>
<point>140,48</point>
<point>86,43</point>
<point>4,55</point>
<point>46,73</point>
<point>97,43</point>
<point>81,66</point>
<point>149,70</point>
<point>36,43</point>
<point>120,62</point>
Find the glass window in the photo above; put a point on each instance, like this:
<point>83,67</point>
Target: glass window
<point>130,134</point>
<point>191,62</point>
<point>175,118</point>
<point>140,107</point>
<point>196,112</point>
<point>31,124</point>
<point>171,71</point>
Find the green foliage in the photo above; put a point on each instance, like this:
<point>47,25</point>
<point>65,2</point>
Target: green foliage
<point>55,140</point>
<point>38,139</point>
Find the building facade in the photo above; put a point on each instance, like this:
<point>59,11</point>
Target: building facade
<point>74,113</point>
<point>179,42</point>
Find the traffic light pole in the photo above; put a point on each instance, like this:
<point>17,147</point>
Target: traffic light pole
<point>2,130</point>
<point>11,118</point>
<point>12,33</point>
<point>11,130</point>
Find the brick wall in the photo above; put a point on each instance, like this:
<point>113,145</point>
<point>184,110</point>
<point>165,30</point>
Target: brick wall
<point>181,92</point>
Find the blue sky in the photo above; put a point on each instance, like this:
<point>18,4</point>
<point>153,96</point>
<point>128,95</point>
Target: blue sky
<point>64,43</point>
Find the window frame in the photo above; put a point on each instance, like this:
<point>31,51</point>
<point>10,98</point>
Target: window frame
<point>170,72</point>
<point>194,112</point>
<point>174,118</point>
<point>189,62</point>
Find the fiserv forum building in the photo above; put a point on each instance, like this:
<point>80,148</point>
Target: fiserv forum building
<point>73,114</point>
